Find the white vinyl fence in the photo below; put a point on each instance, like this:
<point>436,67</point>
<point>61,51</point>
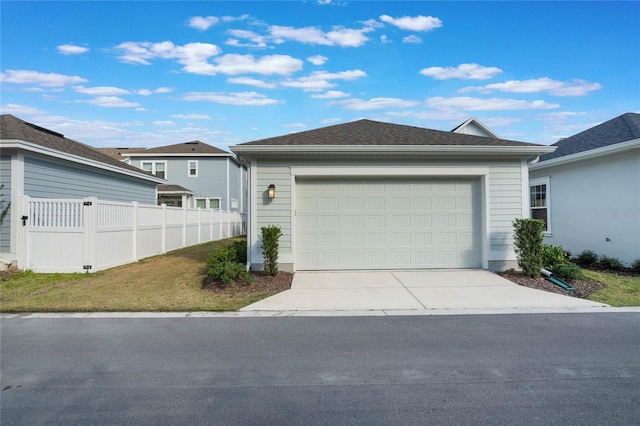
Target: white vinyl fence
<point>59,235</point>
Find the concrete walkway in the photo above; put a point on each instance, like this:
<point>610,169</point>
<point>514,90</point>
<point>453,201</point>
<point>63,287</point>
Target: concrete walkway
<point>413,292</point>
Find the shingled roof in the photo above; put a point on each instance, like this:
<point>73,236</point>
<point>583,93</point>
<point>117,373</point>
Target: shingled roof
<point>193,147</point>
<point>623,128</point>
<point>372,133</point>
<point>13,128</point>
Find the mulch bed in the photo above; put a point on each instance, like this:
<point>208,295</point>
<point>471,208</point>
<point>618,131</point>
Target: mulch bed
<point>262,284</point>
<point>583,287</point>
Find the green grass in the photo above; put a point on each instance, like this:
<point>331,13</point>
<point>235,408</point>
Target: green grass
<point>170,282</point>
<point>619,290</point>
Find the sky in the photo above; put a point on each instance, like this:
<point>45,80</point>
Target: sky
<point>155,73</point>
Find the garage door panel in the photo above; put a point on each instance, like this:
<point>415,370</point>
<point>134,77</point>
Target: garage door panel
<point>406,223</point>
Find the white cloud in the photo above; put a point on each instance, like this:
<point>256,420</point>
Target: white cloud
<point>70,49</point>
<point>193,56</point>
<point>163,90</point>
<point>321,80</point>
<point>331,94</point>
<point>375,103</point>
<point>19,110</point>
<point>255,40</point>
<point>42,79</point>
<point>343,37</point>
<point>462,71</point>
<point>234,64</point>
<point>294,125</point>
<point>561,116</point>
<point>544,84</point>
<point>203,22</point>
<point>192,116</point>
<point>318,59</point>
<point>384,39</point>
<point>238,98</point>
<point>235,18</point>
<point>331,120</point>
<point>101,91</point>
<point>412,39</point>
<point>413,23</point>
<point>252,82</point>
<point>492,104</point>
<point>164,123</point>
<point>111,102</point>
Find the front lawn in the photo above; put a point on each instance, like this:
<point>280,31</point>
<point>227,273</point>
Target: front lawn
<point>171,282</point>
<point>619,290</point>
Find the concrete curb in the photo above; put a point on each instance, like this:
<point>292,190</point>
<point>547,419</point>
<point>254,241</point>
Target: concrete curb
<point>275,314</point>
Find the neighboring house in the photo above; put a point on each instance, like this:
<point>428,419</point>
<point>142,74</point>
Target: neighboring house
<point>588,190</point>
<point>199,175</point>
<point>372,195</point>
<point>473,126</point>
<point>40,163</point>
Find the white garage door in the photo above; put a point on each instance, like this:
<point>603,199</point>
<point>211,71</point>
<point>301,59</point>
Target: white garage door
<point>387,223</point>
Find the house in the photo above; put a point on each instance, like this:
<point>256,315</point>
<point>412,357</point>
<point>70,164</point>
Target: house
<point>473,126</point>
<point>199,175</point>
<point>588,190</point>
<point>374,195</point>
<point>40,163</point>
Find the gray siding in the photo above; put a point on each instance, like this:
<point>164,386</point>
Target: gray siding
<point>60,179</point>
<point>505,192</point>
<point>5,199</point>
<point>211,181</point>
<point>234,183</point>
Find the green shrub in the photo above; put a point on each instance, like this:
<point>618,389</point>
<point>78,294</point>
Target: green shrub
<point>270,246</point>
<point>587,258</point>
<point>611,263</point>
<point>553,255</point>
<point>636,265</point>
<point>528,244</point>
<point>227,265</point>
<point>568,271</point>
<point>229,272</point>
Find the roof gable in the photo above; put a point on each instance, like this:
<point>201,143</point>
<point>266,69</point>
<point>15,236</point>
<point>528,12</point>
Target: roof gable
<point>14,128</point>
<point>371,133</point>
<point>193,147</point>
<point>473,126</point>
<point>623,128</point>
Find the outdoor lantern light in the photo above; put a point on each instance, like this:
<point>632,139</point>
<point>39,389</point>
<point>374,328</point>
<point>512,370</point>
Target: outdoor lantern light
<point>271,191</point>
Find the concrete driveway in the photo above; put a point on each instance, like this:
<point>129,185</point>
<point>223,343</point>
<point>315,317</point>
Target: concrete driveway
<point>414,292</point>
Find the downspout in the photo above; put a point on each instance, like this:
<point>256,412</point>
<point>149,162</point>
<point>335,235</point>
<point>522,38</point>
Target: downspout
<point>248,213</point>
<point>533,160</point>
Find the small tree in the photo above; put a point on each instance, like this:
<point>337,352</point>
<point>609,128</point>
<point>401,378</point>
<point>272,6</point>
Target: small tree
<point>528,243</point>
<point>270,246</point>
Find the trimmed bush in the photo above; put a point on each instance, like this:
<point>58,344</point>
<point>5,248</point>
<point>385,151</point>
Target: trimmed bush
<point>270,246</point>
<point>224,265</point>
<point>611,263</point>
<point>568,271</point>
<point>553,255</point>
<point>528,244</point>
<point>587,258</point>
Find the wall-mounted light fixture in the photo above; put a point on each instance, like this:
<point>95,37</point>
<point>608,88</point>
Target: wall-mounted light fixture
<point>271,192</point>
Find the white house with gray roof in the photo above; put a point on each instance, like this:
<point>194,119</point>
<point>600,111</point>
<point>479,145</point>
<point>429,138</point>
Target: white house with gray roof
<point>41,163</point>
<point>198,175</point>
<point>588,190</point>
<point>373,195</point>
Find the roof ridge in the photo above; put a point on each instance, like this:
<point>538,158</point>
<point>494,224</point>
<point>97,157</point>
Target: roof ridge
<point>633,125</point>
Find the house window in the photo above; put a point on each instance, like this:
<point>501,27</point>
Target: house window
<point>208,203</point>
<point>193,169</point>
<point>539,201</point>
<point>158,168</point>
<point>234,203</point>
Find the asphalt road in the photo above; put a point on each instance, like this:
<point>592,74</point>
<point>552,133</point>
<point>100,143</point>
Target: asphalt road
<point>580,369</point>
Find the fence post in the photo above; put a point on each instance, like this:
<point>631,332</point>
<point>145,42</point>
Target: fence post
<point>199,226</point>
<point>164,228</point>
<point>184,226</point>
<point>134,239</point>
<point>228,224</point>
<point>21,233</point>
<point>211,226</point>
<point>90,213</point>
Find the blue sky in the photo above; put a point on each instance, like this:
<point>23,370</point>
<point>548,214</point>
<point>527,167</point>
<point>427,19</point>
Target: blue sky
<point>147,73</point>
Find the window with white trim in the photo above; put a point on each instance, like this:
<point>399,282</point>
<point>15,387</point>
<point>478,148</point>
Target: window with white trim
<point>192,168</point>
<point>158,168</point>
<point>540,201</point>
<point>208,203</point>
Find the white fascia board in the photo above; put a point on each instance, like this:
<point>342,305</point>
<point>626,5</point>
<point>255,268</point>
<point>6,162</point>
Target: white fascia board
<point>188,154</point>
<point>39,149</point>
<point>392,149</point>
<point>389,171</point>
<point>587,155</point>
